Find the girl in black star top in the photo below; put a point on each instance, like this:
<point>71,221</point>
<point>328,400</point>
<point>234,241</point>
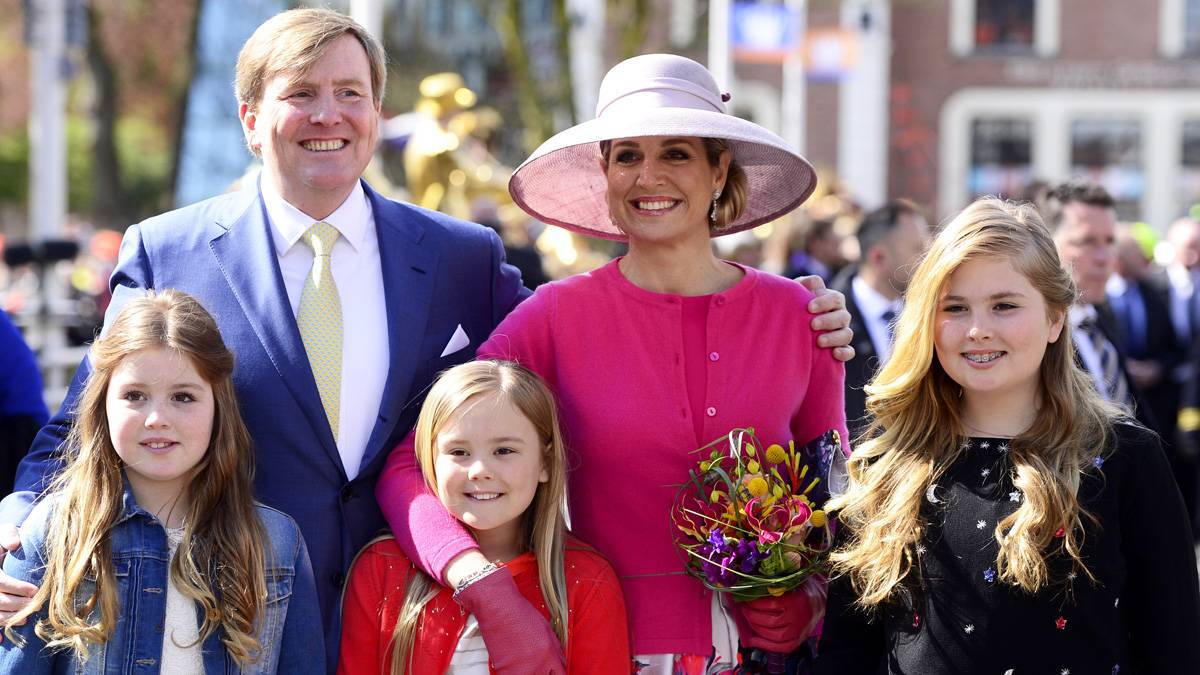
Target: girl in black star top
<point>1000,516</point>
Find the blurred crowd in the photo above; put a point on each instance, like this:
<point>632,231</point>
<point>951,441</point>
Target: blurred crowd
<point>1143,279</point>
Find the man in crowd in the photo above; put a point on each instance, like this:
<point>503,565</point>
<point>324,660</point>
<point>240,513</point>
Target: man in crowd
<point>1083,217</point>
<point>1183,275</point>
<point>891,240</point>
<point>340,306</point>
<point>1145,335</point>
<point>816,249</point>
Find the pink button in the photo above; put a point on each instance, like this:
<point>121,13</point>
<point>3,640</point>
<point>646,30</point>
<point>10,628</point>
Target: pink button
<point>711,412</point>
<point>713,356</point>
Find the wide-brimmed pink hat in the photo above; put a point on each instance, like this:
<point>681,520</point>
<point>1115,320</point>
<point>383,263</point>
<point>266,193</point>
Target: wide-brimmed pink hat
<point>563,181</point>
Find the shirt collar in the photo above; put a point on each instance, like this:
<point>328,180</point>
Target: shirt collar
<point>1117,285</point>
<point>1080,313</point>
<point>289,223</point>
<point>870,301</point>
<point>1181,278</point>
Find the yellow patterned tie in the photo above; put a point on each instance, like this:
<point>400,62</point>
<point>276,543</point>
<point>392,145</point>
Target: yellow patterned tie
<point>320,321</point>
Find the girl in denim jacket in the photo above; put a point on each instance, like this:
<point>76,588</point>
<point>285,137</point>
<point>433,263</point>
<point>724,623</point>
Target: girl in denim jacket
<point>149,553</point>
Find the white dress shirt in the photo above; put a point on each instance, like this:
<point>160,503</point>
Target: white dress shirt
<point>358,273</point>
<point>1083,344</point>
<point>1183,292</point>
<point>873,306</point>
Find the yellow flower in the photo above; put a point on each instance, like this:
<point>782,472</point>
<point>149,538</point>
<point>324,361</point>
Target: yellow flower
<point>818,518</point>
<point>716,496</point>
<point>753,467</point>
<point>749,449</point>
<point>776,590</point>
<point>776,454</point>
<point>757,486</point>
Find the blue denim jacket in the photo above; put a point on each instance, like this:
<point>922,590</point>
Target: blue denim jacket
<point>289,632</point>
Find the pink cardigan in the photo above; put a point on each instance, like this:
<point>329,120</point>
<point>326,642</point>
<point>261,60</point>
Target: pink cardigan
<point>612,353</point>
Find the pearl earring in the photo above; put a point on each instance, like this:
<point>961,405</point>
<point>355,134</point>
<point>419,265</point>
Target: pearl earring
<point>712,213</point>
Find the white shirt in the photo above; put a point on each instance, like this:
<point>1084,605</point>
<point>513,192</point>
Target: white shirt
<point>1083,344</point>
<point>182,650</point>
<point>358,273</point>
<point>470,655</point>
<point>1183,289</point>
<point>873,305</point>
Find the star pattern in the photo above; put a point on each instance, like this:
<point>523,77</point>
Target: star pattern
<point>982,507</point>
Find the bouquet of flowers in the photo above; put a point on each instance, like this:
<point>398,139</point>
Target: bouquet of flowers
<point>749,520</point>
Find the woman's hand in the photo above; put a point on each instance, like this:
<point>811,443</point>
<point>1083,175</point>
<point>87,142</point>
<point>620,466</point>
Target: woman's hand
<point>780,624</point>
<point>518,638</point>
<point>830,318</point>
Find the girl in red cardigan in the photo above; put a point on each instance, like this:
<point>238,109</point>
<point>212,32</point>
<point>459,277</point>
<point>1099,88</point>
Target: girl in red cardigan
<point>489,446</point>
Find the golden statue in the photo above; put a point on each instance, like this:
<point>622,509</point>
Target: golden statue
<point>446,161</point>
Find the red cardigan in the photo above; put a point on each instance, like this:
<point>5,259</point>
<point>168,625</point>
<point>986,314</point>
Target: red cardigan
<point>597,631</point>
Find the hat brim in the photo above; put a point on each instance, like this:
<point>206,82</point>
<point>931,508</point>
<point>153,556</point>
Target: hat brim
<point>563,181</point>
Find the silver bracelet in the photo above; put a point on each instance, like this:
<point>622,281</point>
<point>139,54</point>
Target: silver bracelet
<point>475,576</point>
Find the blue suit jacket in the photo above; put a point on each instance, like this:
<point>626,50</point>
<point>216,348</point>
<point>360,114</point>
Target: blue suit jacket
<point>438,273</point>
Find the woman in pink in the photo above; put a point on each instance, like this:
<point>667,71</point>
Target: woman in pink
<point>660,351</point>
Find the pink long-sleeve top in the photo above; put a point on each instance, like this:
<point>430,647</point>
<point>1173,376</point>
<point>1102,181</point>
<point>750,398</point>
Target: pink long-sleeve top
<point>613,354</point>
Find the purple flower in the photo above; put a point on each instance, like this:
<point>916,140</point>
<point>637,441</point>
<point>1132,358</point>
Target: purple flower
<point>989,574</point>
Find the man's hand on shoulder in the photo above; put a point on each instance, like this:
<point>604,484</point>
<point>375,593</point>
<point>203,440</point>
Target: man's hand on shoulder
<point>14,593</point>
<point>830,318</point>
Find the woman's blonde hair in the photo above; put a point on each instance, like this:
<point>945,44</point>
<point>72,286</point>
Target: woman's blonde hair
<point>543,524</point>
<point>915,432</point>
<point>219,563</point>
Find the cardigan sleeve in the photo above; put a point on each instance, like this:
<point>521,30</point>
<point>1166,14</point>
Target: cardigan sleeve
<point>423,528</point>
<point>526,335</point>
<point>1161,599</point>
<point>599,638</point>
<point>824,405</point>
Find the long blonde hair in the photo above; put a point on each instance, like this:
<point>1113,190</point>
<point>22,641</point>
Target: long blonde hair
<point>915,433</point>
<point>219,563</point>
<point>543,524</point>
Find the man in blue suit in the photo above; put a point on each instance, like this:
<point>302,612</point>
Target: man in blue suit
<point>418,290</point>
<point>328,382</point>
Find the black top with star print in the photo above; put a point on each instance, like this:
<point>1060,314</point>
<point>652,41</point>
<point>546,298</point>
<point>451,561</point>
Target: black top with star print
<point>1141,616</point>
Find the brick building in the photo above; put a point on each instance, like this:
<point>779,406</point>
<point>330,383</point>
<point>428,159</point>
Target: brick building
<point>984,95</point>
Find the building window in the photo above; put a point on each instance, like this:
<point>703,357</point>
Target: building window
<point>1179,28</point>
<point>1001,156</point>
<point>1189,175</point>
<point>1004,25</point>
<point>1109,152</point>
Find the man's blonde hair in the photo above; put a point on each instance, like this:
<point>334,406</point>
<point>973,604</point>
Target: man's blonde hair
<point>291,42</point>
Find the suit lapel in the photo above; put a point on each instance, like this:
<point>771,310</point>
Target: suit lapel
<point>864,349</point>
<point>246,257</point>
<point>409,265</point>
